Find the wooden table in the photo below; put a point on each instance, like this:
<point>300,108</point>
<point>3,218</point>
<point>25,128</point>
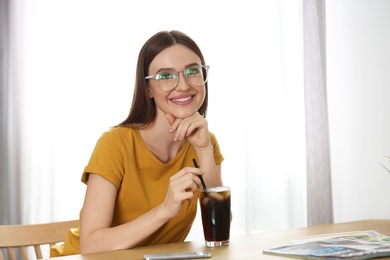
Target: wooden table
<point>242,247</point>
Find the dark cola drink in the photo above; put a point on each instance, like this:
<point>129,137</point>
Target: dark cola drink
<point>215,209</point>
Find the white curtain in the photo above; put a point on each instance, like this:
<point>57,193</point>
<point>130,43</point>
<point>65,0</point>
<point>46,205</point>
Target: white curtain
<point>72,76</point>
<point>319,188</point>
<point>10,172</point>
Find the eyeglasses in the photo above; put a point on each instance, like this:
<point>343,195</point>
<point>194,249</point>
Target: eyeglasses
<point>167,79</point>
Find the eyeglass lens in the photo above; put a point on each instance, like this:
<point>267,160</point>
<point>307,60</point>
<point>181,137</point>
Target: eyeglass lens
<point>195,76</point>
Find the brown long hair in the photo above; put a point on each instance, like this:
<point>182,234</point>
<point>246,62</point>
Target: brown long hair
<point>143,108</point>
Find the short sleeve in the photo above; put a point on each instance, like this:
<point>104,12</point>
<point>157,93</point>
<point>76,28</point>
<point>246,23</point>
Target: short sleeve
<point>218,157</point>
<point>107,159</point>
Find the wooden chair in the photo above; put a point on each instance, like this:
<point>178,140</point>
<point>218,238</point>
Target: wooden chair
<point>36,235</point>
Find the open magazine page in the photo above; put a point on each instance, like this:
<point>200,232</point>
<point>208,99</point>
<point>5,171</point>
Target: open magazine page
<point>368,234</point>
<point>352,245</point>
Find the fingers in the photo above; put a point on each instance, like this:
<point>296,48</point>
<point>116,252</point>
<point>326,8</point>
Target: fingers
<point>185,183</point>
<point>182,187</point>
<point>187,126</point>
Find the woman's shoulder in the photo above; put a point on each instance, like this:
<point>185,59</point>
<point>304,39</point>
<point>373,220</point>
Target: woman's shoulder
<point>120,130</point>
<point>120,133</point>
<point>213,138</point>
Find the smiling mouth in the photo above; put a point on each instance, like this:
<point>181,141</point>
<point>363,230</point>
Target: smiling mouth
<point>184,99</point>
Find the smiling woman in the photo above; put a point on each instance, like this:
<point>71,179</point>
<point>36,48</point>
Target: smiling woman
<point>76,80</point>
<point>141,188</point>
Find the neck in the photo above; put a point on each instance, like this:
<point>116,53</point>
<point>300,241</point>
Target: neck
<point>159,141</point>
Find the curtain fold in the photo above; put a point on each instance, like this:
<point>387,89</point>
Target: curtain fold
<point>3,108</point>
<point>319,189</point>
<point>10,190</point>
<point>4,192</point>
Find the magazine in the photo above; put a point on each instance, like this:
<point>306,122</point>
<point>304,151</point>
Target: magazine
<point>351,245</point>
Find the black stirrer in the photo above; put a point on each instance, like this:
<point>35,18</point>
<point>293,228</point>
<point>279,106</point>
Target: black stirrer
<point>200,176</point>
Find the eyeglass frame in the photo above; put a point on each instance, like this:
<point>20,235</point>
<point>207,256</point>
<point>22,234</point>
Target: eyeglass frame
<point>206,67</point>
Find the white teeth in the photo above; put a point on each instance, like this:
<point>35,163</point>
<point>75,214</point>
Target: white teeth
<point>181,99</point>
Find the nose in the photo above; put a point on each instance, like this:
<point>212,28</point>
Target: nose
<point>182,84</point>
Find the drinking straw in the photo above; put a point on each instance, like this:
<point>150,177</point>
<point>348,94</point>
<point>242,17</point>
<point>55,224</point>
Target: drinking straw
<point>200,176</point>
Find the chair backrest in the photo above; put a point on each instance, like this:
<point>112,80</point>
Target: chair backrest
<point>35,235</point>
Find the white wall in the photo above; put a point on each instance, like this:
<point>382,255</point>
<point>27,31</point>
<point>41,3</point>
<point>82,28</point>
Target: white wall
<point>358,69</point>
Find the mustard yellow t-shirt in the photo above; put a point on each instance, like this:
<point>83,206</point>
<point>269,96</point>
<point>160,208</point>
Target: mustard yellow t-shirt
<point>121,157</point>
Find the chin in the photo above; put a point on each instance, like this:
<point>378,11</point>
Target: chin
<point>183,114</point>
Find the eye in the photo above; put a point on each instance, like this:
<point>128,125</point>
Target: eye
<point>193,71</point>
<point>165,75</point>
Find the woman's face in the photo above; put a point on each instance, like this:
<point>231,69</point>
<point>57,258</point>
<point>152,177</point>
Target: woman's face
<point>184,100</point>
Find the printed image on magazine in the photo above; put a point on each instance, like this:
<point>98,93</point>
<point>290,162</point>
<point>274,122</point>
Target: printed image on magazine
<point>352,245</point>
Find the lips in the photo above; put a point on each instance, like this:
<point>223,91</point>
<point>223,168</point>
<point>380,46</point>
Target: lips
<point>183,100</point>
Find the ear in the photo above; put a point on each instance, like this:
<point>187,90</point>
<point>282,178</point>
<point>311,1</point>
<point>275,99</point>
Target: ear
<point>148,90</point>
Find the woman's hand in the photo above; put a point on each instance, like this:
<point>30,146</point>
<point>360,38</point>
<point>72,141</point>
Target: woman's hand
<point>182,186</point>
<point>194,128</point>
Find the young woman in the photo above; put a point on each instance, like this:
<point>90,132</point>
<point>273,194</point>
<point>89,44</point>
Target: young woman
<point>142,186</point>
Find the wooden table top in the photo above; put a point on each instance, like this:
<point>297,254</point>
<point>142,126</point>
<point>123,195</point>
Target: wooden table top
<point>242,247</point>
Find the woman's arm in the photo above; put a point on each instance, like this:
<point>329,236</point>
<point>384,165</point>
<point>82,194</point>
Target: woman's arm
<point>195,129</point>
<point>96,233</point>
<point>212,172</point>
